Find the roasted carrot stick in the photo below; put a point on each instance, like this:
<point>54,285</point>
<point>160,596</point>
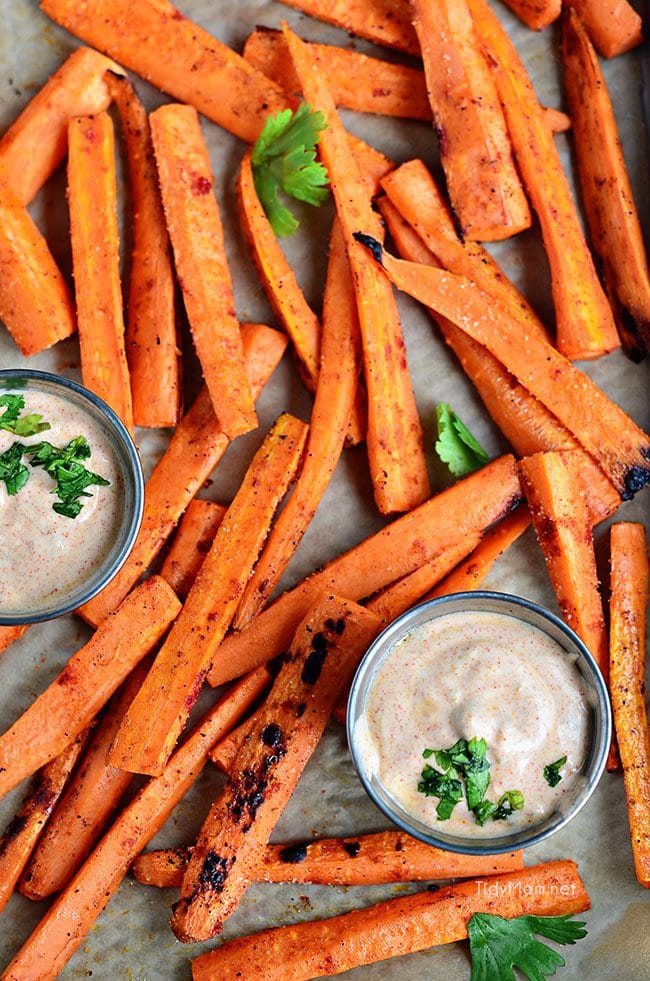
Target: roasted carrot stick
<point>194,451</point>
<point>191,544</point>
<point>388,856</point>
<point>158,713</point>
<point>395,927</point>
<point>609,204</point>
<point>470,505</point>
<point>627,653</point>
<point>394,436</point>
<point>388,22</point>
<point>536,14</point>
<point>86,805</point>
<point>66,923</point>
<point>322,658</point>
<point>475,151</point>
<point>87,682</point>
<point>152,347</point>
<point>92,196</point>
<point>9,634</point>
<point>614,26</point>
<point>37,141</point>
<point>23,831</point>
<point>585,326</point>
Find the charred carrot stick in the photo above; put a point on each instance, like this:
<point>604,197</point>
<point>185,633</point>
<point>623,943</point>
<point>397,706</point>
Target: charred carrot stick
<point>393,928</point>
<point>86,805</point>
<point>613,26</point>
<point>387,856</point>
<point>470,505</point>
<point>194,451</point>
<point>394,435</point>
<point>628,602</point>
<point>37,141</point>
<point>388,22</point>
<point>152,349</point>
<point>24,830</point>
<point>158,713</point>
<point>191,544</point>
<point>92,194</point>
<point>609,203</point>
<point>9,634</point>
<point>74,912</point>
<point>323,655</point>
<point>536,14</point>
<point>585,326</point>
<point>475,150</point>
<point>87,682</point>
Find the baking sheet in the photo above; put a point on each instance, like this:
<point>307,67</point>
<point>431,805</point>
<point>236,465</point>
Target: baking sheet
<point>132,938</point>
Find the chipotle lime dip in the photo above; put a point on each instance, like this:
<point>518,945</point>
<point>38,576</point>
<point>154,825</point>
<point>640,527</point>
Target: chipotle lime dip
<point>480,675</point>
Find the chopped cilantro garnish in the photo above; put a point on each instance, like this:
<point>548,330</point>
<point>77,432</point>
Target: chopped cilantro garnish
<point>456,446</point>
<point>13,471</point>
<point>65,467</point>
<point>12,421</point>
<point>552,773</point>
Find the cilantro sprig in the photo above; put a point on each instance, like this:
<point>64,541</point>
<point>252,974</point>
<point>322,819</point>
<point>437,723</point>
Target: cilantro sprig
<point>552,773</point>
<point>456,446</point>
<point>498,945</point>
<point>12,421</point>
<point>13,471</point>
<point>65,467</point>
<point>284,159</point>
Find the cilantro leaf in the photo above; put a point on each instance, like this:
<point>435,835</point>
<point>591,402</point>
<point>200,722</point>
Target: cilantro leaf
<point>66,469</point>
<point>507,804</point>
<point>552,773</point>
<point>13,422</point>
<point>284,159</point>
<point>13,471</point>
<point>498,945</point>
<point>456,446</point>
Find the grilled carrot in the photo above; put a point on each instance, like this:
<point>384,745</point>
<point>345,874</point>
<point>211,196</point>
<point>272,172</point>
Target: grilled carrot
<point>387,22</point>
<point>9,634</point>
<point>536,14</point>
<point>191,544</point>
<point>614,26</point>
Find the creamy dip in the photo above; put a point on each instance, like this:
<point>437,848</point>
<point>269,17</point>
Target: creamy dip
<point>44,555</point>
<point>483,675</point>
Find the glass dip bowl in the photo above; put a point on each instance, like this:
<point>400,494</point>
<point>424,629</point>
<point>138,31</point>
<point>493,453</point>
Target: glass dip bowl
<point>500,838</point>
<point>127,498</point>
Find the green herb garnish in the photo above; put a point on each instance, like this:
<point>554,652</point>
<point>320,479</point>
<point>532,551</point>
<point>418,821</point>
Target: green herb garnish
<point>65,467</point>
<point>552,773</point>
<point>498,945</point>
<point>12,421</point>
<point>13,471</point>
<point>284,159</point>
<point>456,446</point>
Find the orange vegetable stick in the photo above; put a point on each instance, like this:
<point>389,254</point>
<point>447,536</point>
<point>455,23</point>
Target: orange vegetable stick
<point>392,928</point>
<point>475,151</point>
<point>158,713</point>
<point>394,436</point>
<point>191,544</point>
<point>73,913</point>
<point>614,26</point>
<point>95,254</point>
<point>151,343</point>
<point>628,602</point>
<point>387,22</point>
<point>442,522</point>
<point>23,831</point>
<point>387,856</point>
<point>193,452</point>
<point>536,14</point>
<point>611,212</point>
<point>585,326</point>
<point>194,225</point>
<point>556,120</point>
<point>86,805</point>
<point>322,658</point>
<point>87,682</point>
<point>35,302</point>
<point>37,141</point>
<point>9,634</point>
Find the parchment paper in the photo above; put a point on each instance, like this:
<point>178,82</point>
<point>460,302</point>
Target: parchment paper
<point>132,938</point>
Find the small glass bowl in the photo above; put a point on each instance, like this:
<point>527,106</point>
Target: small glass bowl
<point>522,610</point>
<point>132,502</point>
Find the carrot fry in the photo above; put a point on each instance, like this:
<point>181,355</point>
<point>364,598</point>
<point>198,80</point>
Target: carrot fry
<point>394,436</point>
<point>609,204</point>
<point>9,634</point>
<point>600,426</point>
<point>87,682</point>
<point>23,831</point>
<point>629,599</point>
<point>95,254</point>
<point>475,150</point>
<point>194,451</point>
<point>323,655</point>
<point>585,326</point>
<point>387,856</point>
<point>151,343</point>
<point>442,522</point>
<point>191,544</point>
<point>392,928</point>
<point>37,141</point>
<point>35,302</point>
<point>386,22</point>
<point>536,14</point>
<point>73,914</point>
<point>158,713</point>
<point>614,26</point>
<point>88,802</point>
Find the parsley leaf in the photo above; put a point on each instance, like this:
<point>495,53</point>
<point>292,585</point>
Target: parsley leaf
<point>12,422</point>
<point>552,773</point>
<point>66,469</point>
<point>498,945</point>
<point>13,471</point>
<point>455,444</point>
<point>284,159</point>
